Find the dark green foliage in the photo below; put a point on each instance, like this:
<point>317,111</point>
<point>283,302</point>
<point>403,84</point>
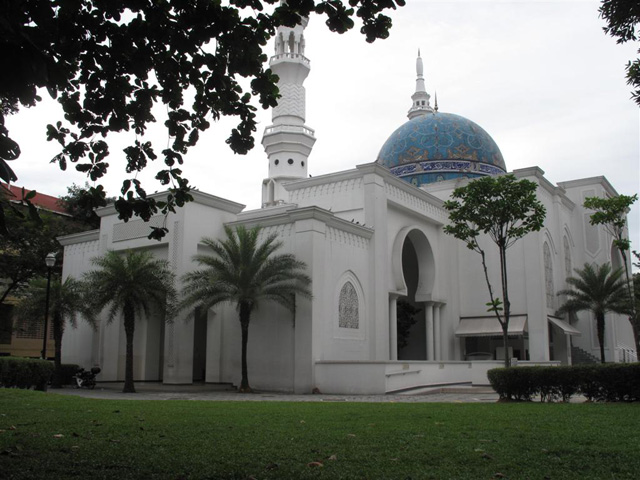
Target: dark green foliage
<point>614,382</point>
<point>513,383</point>
<point>25,244</point>
<point>109,63</point>
<point>66,303</point>
<point>611,213</point>
<point>25,373</point>
<point>623,18</point>
<point>132,283</point>
<point>597,289</point>
<point>505,209</point>
<point>81,202</point>
<point>244,271</point>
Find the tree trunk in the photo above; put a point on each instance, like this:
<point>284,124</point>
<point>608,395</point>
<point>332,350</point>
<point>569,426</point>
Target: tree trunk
<point>600,327</point>
<point>507,305</point>
<point>245,316</point>
<point>129,327</point>
<point>57,339</point>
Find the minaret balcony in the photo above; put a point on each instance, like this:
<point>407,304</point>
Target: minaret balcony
<point>284,57</point>
<point>273,129</point>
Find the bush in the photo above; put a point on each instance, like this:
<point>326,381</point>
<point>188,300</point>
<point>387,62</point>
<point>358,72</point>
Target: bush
<point>616,382</point>
<point>25,373</point>
<point>513,383</point>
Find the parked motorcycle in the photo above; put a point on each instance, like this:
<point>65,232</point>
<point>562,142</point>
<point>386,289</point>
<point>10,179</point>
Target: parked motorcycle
<point>86,378</point>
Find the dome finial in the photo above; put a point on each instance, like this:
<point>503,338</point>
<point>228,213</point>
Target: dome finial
<point>435,106</point>
<point>420,99</point>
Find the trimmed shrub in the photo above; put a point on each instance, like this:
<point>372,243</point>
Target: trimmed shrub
<point>25,372</point>
<point>513,383</point>
<point>615,382</point>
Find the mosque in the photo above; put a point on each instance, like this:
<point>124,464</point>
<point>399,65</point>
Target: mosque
<point>372,238</point>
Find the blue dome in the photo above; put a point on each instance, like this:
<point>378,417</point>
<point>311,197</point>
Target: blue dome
<point>440,146</point>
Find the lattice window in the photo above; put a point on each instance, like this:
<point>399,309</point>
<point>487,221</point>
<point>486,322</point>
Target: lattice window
<point>30,329</point>
<point>568,268</point>
<point>348,314</point>
<point>548,276</point>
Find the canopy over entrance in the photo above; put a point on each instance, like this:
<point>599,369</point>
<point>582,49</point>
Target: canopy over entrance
<point>490,326</point>
<point>564,326</point>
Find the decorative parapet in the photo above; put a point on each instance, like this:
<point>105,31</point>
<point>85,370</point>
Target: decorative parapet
<point>323,189</point>
<point>407,199</point>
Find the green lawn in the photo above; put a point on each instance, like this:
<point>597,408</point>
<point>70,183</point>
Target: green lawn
<point>52,436</point>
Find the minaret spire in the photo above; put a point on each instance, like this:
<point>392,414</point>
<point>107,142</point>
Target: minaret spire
<point>288,141</point>
<point>420,98</point>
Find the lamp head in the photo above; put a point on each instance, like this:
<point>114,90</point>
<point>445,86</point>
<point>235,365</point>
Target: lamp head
<point>50,260</point>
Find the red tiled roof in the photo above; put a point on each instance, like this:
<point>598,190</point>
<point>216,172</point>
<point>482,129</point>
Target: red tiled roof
<point>46,202</point>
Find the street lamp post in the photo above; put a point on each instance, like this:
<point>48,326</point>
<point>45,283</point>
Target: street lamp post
<point>50,261</point>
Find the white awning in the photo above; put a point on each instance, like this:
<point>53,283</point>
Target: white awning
<point>490,326</point>
<point>564,326</point>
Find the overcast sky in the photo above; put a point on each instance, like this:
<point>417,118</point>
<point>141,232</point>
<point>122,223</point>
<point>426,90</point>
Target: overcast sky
<point>541,78</point>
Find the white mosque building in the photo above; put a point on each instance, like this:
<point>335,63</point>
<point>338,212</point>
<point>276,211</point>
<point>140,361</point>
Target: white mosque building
<point>372,238</point>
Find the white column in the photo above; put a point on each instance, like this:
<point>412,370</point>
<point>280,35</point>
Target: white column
<point>393,327</point>
<point>436,331</point>
<point>429,328</point>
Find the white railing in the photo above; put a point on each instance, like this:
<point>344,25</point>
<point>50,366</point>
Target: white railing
<point>626,354</point>
<point>289,128</point>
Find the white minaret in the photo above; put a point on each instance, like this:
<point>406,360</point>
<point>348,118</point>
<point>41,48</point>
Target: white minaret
<point>288,141</point>
<point>420,98</point>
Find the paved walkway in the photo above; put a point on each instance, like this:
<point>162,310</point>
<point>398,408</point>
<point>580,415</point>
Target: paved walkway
<point>211,392</point>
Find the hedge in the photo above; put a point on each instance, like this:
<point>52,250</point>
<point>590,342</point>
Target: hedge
<point>25,372</point>
<point>613,382</point>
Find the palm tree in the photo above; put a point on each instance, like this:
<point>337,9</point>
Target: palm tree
<point>65,303</point>
<point>598,289</point>
<point>131,283</point>
<point>245,272</point>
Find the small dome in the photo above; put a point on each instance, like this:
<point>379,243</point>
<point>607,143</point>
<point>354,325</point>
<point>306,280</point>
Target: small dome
<point>440,146</point>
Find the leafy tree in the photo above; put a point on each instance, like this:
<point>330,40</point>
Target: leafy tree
<point>108,63</point>
<point>25,244</point>
<point>611,213</point>
<point>79,203</point>
<point>599,290</point>
<point>623,18</point>
<point>132,284</point>
<point>66,302</point>
<point>506,210</point>
<point>245,272</point>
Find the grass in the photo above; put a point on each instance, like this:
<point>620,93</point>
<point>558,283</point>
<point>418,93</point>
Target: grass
<point>48,436</point>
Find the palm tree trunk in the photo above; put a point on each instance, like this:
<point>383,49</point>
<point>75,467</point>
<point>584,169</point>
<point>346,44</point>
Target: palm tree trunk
<point>245,316</point>
<point>600,327</point>
<point>57,339</point>
<point>129,327</point>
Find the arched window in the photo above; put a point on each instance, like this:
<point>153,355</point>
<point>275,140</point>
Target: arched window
<point>568,268</point>
<point>348,314</point>
<point>548,275</point>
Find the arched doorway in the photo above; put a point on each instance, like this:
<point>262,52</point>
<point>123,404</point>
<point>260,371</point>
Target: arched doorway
<point>414,271</point>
